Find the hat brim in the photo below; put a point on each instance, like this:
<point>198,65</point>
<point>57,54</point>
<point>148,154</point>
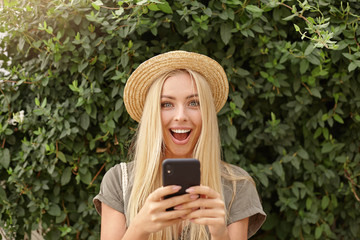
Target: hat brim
<point>141,79</point>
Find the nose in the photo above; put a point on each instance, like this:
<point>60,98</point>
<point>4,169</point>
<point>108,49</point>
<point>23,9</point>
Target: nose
<point>181,114</point>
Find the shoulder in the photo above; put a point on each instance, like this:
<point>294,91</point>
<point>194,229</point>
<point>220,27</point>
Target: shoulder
<point>114,174</point>
<point>235,179</point>
<point>116,169</point>
<point>241,197</point>
<point>232,169</point>
<point>231,173</point>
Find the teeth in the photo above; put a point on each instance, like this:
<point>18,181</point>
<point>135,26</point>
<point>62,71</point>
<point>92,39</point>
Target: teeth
<point>180,130</point>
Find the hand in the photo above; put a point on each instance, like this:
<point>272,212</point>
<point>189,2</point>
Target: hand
<point>153,216</point>
<point>208,210</point>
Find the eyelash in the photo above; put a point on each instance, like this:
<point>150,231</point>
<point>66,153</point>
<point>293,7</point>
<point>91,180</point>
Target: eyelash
<point>163,105</point>
<point>192,103</point>
<point>197,103</point>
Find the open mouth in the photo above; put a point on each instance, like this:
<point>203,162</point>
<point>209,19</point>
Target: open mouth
<point>180,134</point>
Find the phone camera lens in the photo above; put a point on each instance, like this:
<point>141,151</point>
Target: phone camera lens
<point>168,170</point>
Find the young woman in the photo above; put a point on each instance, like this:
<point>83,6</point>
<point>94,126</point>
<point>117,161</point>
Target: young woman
<point>175,97</point>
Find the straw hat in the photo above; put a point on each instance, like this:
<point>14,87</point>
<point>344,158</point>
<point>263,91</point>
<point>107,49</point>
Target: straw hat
<point>141,79</point>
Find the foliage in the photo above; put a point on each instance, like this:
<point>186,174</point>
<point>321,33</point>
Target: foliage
<point>292,119</point>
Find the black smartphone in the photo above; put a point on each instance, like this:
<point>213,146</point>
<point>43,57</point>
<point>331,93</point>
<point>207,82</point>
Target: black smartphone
<point>184,172</point>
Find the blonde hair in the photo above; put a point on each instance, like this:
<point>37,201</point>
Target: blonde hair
<point>148,154</point>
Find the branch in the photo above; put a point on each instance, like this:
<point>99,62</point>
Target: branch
<point>353,184</point>
<point>307,88</point>
<point>305,19</point>
<point>97,174</point>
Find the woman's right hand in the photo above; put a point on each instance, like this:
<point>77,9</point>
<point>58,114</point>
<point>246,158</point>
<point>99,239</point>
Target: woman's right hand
<point>153,216</point>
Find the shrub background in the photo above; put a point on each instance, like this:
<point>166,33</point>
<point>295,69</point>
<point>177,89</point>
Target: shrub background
<point>292,119</point>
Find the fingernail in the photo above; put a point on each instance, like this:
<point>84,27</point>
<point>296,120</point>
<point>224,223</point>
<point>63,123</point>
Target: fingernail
<point>178,207</point>
<point>189,190</point>
<point>194,196</point>
<point>176,188</point>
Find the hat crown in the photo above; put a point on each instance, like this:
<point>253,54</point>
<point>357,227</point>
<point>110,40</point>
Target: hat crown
<point>147,72</point>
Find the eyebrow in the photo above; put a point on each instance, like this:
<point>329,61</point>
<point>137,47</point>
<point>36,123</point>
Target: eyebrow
<point>188,97</point>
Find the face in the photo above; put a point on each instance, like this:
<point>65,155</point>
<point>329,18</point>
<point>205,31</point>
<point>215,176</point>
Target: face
<point>180,115</point>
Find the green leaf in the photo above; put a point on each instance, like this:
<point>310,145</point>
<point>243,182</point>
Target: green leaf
<point>61,156</point>
<point>165,7</point>
<point>84,121</point>
<point>318,232</point>
<point>264,74</point>
<point>82,66</point>
<point>3,196</point>
<point>325,202</point>
<point>315,92</point>
<point>208,12</point>
<point>288,18</point>
<point>66,176</point>
<point>54,210</point>
<point>308,203</point>
<point>96,5</point>
<point>303,154</point>
<point>85,178</point>
<point>278,168</point>
<point>232,132</point>
<point>309,49</point>
<point>338,119</point>
<point>254,9</point>
<point>263,179</point>
<point>43,104</point>
<point>349,56</point>
<point>37,102</point>
<point>297,28</point>
<point>119,12</point>
<point>153,7</point>
<point>326,133</point>
<point>118,104</point>
<point>225,33</point>
<point>304,65</point>
<point>111,123</point>
<point>352,66</point>
<point>124,60</point>
<point>317,133</point>
<point>4,157</point>
<point>328,147</point>
<point>324,117</point>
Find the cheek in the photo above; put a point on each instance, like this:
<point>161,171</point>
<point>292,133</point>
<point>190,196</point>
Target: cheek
<point>198,122</point>
<point>164,118</point>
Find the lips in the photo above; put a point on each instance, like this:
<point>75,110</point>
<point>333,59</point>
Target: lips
<point>180,135</point>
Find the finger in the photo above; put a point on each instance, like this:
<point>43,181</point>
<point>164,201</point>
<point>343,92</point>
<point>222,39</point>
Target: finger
<point>178,200</point>
<point>203,190</point>
<point>173,215</point>
<point>207,221</point>
<point>203,203</point>
<point>206,213</point>
<point>161,192</point>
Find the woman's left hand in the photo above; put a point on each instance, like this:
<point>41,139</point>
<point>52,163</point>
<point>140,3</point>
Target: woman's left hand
<point>208,210</point>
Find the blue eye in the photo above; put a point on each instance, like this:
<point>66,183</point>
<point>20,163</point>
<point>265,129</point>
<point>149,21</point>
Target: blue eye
<point>166,105</point>
<point>194,103</point>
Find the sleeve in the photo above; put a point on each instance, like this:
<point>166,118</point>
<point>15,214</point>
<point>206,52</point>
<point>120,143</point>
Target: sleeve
<point>110,191</point>
<point>247,203</point>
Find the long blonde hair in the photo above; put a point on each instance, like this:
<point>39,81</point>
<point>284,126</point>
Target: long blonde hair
<point>148,154</point>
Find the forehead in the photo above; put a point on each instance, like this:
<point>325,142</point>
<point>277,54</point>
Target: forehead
<point>179,82</point>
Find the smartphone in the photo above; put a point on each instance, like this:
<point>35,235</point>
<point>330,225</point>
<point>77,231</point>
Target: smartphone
<point>184,172</point>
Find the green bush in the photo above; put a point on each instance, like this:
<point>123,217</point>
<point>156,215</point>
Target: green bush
<point>292,119</point>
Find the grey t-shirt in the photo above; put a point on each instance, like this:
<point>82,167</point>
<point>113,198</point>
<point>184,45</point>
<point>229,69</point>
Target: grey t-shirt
<point>246,201</point>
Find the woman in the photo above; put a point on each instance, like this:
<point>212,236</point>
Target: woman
<point>175,97</point>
